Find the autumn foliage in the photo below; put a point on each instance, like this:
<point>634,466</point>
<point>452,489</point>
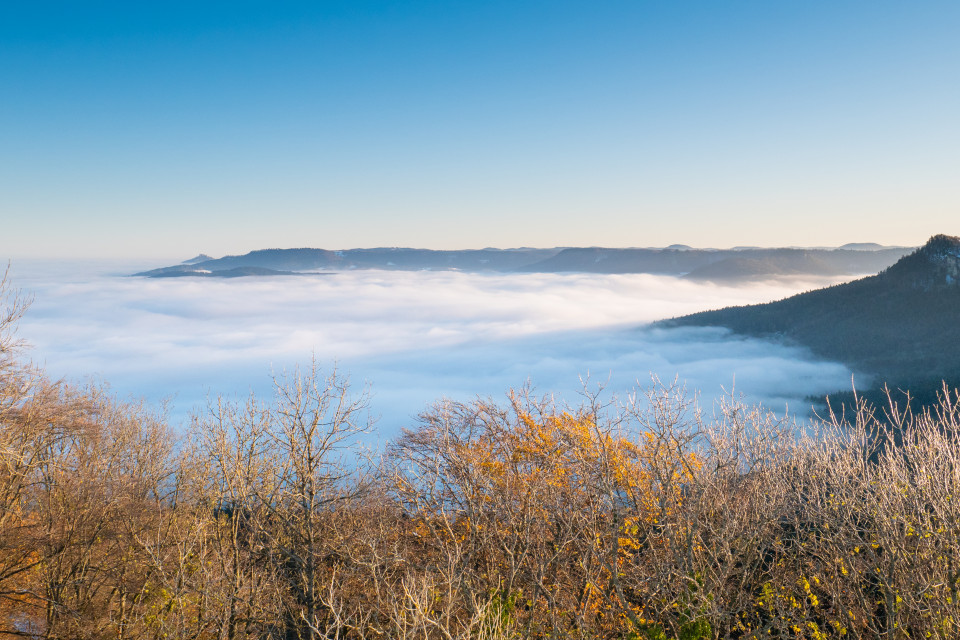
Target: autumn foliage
<point>637,519</point>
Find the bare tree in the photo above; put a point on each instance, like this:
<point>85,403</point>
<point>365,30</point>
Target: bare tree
<point>282,482</point>
<point>316,425</point>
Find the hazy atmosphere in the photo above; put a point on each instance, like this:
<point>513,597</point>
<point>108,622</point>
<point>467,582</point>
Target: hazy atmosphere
<point>414,337</point>
<point>496,320</point>
<point>144,134</point>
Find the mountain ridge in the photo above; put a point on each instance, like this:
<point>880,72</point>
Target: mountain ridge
<point>900,327</point>
<point>727,265</point>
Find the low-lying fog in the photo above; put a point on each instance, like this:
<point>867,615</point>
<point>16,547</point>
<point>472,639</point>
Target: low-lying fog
<point>414,337</point>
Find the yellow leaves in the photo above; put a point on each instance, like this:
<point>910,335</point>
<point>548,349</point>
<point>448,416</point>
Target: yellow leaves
<point>839,628</point>
<point>811,597</point>
<point>562,457</point>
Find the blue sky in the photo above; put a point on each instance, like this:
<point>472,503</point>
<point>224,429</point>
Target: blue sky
<point>158,130</point>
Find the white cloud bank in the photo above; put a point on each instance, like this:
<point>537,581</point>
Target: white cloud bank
<point>414,336</point>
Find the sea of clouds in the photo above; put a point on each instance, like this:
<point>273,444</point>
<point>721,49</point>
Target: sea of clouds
<point>410,337</point>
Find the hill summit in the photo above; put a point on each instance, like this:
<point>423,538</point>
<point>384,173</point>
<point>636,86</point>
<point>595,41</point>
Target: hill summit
<point>936,264</point>
<point>900,327</point>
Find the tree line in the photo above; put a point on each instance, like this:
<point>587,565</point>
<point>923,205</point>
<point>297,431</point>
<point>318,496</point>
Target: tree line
<point>642,519</point>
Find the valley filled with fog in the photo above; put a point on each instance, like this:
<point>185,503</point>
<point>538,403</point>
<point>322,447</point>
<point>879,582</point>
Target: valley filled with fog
<point>411,337</point>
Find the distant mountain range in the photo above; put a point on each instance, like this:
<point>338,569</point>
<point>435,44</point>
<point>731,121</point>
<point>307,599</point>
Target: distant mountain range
<point>233,272</point>
<point>720,265</point>
<point>901,326</point>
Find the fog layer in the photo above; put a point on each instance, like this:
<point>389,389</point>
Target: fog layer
<point>412,336</point>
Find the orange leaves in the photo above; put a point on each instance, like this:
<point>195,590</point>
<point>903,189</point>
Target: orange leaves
<point>551,458</point>
<point>563,505</point>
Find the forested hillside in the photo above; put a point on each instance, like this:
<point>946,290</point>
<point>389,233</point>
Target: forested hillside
<point>727,265</point>
<point>900,327</point>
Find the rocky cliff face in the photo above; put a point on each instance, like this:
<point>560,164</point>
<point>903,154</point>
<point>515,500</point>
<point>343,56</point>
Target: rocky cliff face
<point>943,252</point>
<point>934,265</point>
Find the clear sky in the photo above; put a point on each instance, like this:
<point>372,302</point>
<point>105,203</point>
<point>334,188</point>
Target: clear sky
<point>141,129</point>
